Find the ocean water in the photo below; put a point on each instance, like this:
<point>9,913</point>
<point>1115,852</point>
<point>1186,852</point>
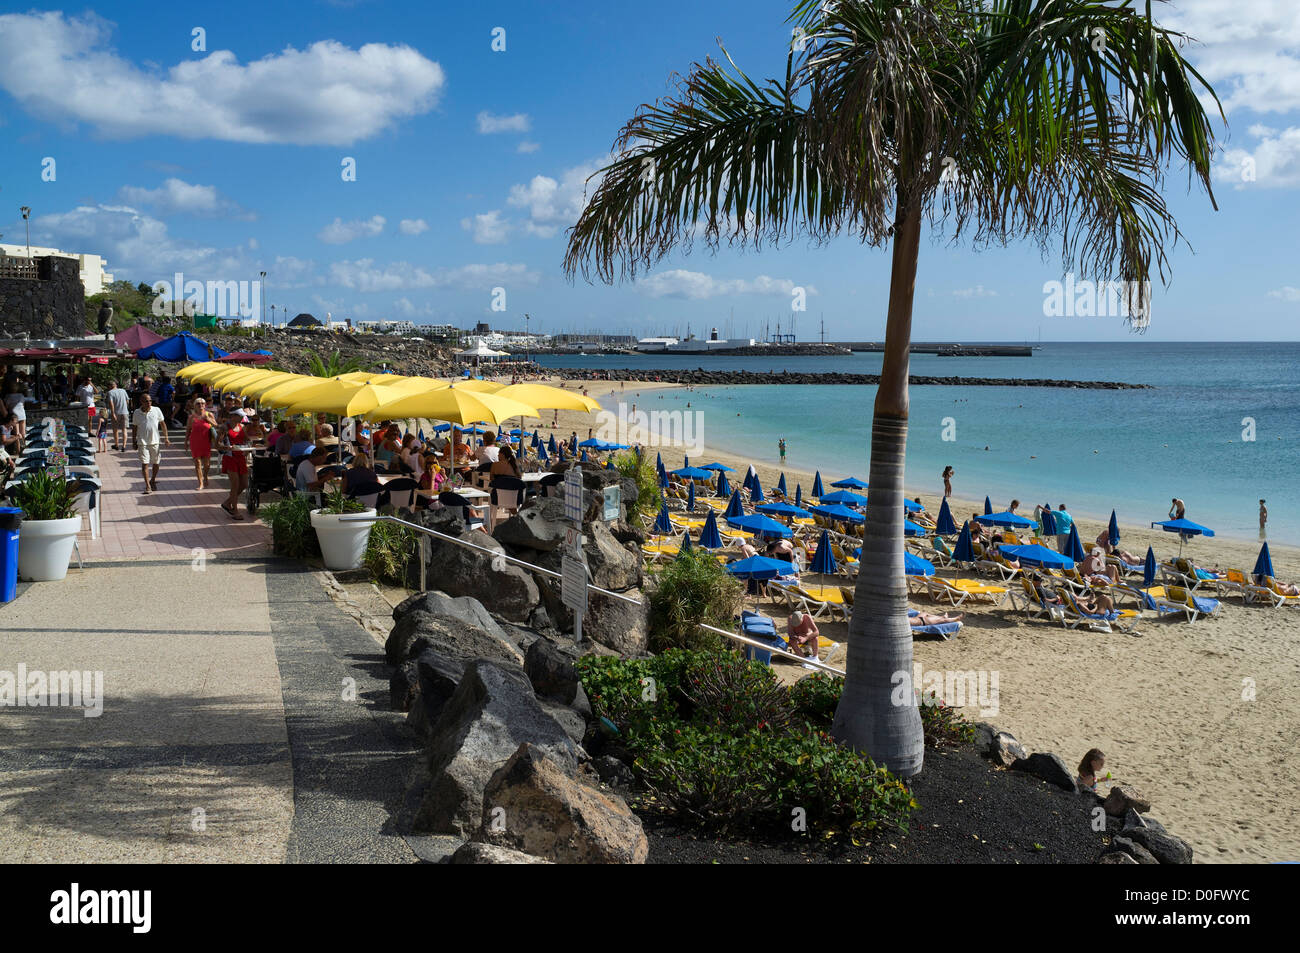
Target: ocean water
<point>1220,429</point>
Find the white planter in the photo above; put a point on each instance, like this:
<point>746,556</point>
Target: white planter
<point>341,544</point>
<point>45,547</point>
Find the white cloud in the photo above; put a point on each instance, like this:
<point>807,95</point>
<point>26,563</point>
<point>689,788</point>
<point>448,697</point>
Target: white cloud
<point>290,272</point>
<point>555,204</point>
<point>526,147</point>
<point>1249,52</point>
<point>176,196</point>
<point>412,226</point>
<point>488,229</point>
<point>489,124</point>
<point>136,245</point>
<point>1286,293</point>
<point>698,286</point>
<point>404,308</point>
<point>979,291</point>
<point>1274,162</point>
<point>339,232</point>
<point>62,69</point>
<point>364,275</point>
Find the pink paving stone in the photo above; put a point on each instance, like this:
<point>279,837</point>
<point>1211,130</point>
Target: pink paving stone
<point>169,523</point>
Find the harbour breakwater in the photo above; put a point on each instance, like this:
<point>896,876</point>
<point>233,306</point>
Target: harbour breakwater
<point>723,378</point>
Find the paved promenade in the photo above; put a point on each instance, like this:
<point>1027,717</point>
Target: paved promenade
<point>244,715</point>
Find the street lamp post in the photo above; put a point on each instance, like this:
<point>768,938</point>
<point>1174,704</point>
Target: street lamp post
<point>528,342</point>
<point>27,213</point>
<point>261,302</point>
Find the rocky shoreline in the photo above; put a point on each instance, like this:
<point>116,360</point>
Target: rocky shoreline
<point>722,378</point>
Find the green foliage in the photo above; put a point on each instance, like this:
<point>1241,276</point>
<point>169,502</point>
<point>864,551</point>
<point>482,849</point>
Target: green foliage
<point>130,303</point>
<point>389,552</point>
<point>335,365</point>
<point>815,697</point>
<point>45,497</point>
<point>292,534</point>
<point>335,501</point>
<point>719,743</point>
<point>636,467</point>
<point>117,369</point>
<point>691,589</point>
<point>945,726</point>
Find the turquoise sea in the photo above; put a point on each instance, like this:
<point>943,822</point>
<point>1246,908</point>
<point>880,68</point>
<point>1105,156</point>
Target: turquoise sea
<point>1093,450</point>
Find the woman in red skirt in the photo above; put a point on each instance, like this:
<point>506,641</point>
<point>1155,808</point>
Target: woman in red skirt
<point>199,435</point>
<point>234,463</point>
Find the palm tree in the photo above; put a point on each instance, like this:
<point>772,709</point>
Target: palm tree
<point>995,120</point>
<point>335,365</point>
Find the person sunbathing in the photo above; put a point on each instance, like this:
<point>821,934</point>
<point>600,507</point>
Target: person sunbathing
<point>1095,603</point>
<point>1094,568</point>
<point>977,533</point>
<point>1285,589</point>
<point>1013,563</point>
<point>934,618</point>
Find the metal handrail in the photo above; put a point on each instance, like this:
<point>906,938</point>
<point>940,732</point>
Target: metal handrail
<point>734,636</point>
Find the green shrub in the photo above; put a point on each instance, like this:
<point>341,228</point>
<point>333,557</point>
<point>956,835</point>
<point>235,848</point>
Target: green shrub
<point>944,725</point>
<point>694,588</point>
<point>389,552</point>
<point>292,534</point>
<point>733,695</point>
<point>43,496</point>
<point>632,466</point>
<point>815,697</point>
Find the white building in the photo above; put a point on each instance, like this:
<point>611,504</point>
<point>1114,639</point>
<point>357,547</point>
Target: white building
<point>93,275</point>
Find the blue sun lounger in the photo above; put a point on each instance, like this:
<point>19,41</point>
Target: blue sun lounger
<point>946,630</point>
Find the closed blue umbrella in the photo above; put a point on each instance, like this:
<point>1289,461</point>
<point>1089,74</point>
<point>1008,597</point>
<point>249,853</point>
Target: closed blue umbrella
<point>824,561</point>
<point>1049,522</point>
<point>724,488</point>
<point>1264,564</point>
<point>780,484</point>
<point>817,484</point>
<point>662,523</point>
<point>561,454</point>
<point>837,511</point>
<point>964,550</point>
<point>659,461</point>
<point>749,479</point>
<point>686,461</point>
<point>850,483</point>
<point>1073,545</point>
<point>1149,569</point>
<point>735,507</point>
<point>1113,530</point>
<point>541,453</point>
<point>663,478</point>
<point>710,538</point>
<point>758,523</point>
<point>914,565</point>
<point>845,497</point>
<point>756,491</point>
<point>584,458</point>
<point>943,524</point>
<point>536,441</point>
<point>551,444</point>
<point>1036,555</point>
<point>760,567</point>
<point>988,506</point>
<point>690,495</point>
<point>798,494</point>
<point>685,545</point>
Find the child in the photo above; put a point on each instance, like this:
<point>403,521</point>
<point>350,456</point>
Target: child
<point>1091,764</point>
<point>102,446</point>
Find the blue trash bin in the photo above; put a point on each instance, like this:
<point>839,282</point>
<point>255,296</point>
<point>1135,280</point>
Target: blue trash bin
<point>10,519</point>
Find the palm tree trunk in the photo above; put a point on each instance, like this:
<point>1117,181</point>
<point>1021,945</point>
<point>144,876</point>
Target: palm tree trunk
<point>877,712</point>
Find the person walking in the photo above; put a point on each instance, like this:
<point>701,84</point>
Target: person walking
<point>1263,520</point>
<point>947,481</point>
<point>781,446</point>
<point>149,426</point>
<point>119,405</point>
<point>234,462</point>
<point>199,435</point>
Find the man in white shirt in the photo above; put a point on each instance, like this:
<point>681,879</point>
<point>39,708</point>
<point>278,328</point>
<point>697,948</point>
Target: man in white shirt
<point>86,393</point>
<point>307,477</point>
<point>14,401</point>
<point>119,404</point>
<point>149,426</point>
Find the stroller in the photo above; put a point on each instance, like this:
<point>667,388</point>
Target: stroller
<point>267,476</point>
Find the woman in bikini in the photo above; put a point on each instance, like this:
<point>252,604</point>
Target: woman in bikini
<point>199,435</point>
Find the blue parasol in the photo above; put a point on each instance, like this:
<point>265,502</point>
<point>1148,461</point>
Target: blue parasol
<point>964,550</point>
<point>1036,555</point>
<point>694,473</point>
<point>1149,569</point>
<point>690,495</point>
<point>817,484</point>
<point>798,494</point>
<point>735,507</point>
<point>1113,529</point>
<point>1074,545</point>
<point>1264,564</point>
<point>662,523</point>
<point>845,497</point>
<point>760,567</point>
<point>685,546</point>
<point>988,506</point>
<point>709,536</point>
<point>1048,519</point>
<point>1007,519</point>
<point>944,525</point>
<point>758,523</point>
<point>780,484</point>
<point>850,483</point>
<point>756,491</point>
<point>824,561</point>
<point>841,513</point>
<point>783,509</point>
<point>914,565</point>
<point>724,488</point>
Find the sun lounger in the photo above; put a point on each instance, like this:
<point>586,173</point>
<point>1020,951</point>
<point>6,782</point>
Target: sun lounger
<point>1075,616</point>
<point>1268,593</point>
<point>945,630</point>
<point>957,591</point>
<point>818,603</point>
<point>763,629</point>
<point>1035,606</point>
<point>942,553</point>
<point>1180,598</point>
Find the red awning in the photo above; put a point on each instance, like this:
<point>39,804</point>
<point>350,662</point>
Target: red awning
<point>244,357</point>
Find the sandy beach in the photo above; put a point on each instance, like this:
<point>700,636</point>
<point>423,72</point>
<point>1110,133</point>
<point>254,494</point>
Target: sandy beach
<point>1203,717</point>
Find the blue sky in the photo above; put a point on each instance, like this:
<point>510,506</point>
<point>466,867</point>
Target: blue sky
<point>470,165</point>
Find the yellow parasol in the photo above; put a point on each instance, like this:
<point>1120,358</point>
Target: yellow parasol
<point>194,370</point>
<point>351,398</point>
<point>281,377</point>
<point>547,397</point>
<point>454,404</point>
